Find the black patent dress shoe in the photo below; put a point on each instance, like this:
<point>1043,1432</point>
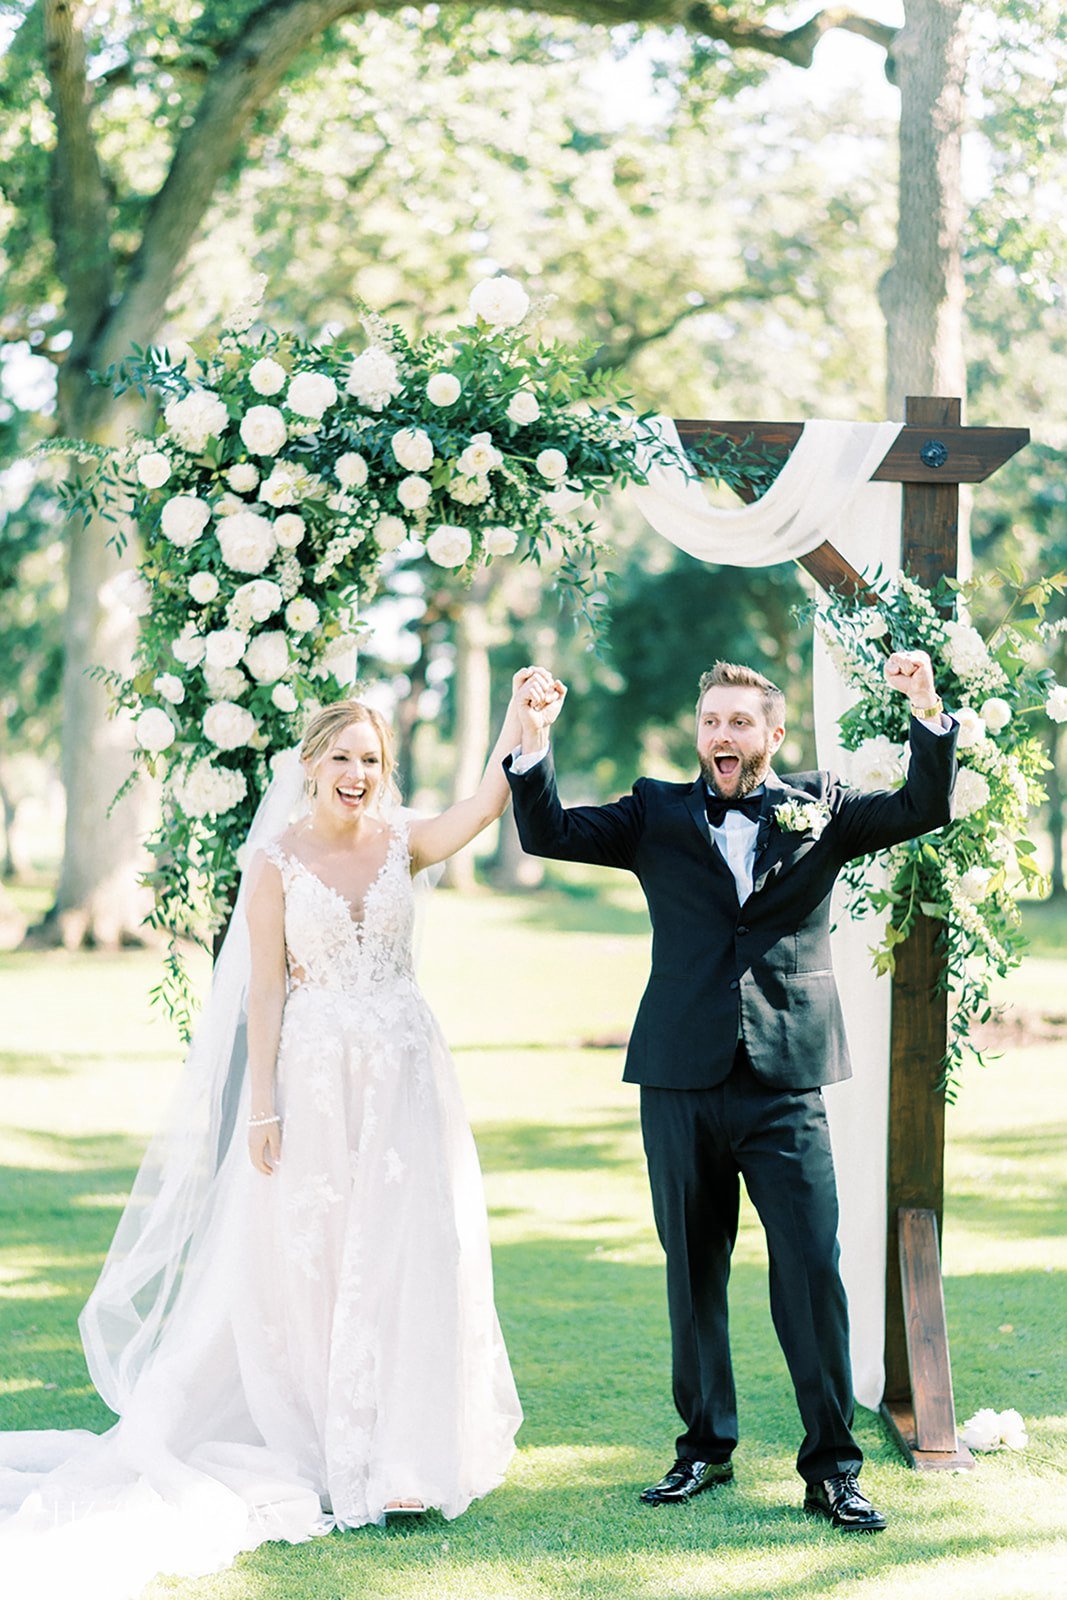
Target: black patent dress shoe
<point>842,1502</point>
<point>684,1480</point>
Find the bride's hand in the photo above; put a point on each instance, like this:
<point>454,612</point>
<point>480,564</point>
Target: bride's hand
<point>537,696</point>
<point>265,1146</point>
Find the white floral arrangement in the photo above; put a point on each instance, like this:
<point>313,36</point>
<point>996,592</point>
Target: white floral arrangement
<point>795,816</point>
<point>995,1430</point>
<point>969,876</point>
<point>282,479</point>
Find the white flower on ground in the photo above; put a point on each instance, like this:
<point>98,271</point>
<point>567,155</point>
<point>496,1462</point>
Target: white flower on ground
<point>189,646</point>
<point>972,792</point>
<point>552,464</point>
<point>153,469</point>
<point>470,491</point>
<point>289,483</point>
<point>228,726</point>
<point>170,687</point>
<point>500,541</point>
<point>449,545</point>
<point>184,519</point>
<point>995,1430</point>
<point>243,477</point>
<point>154,730</point>
<point>263,430</point>
<point>301,615</point>
<point>996,714</point>
<point>480,457</point>
<point>502,302</point>
<point>965,649</point>
<point>247,541</point>
<point>1056,704</point>
<point>413,493</point>
<point>289,530</point>
<point>310,394</point>
<point>875,625</point>
<point>203,586</point>
<point>972,728</point>
<point>350,470</point>
<point>413,449</point>
<point>228,683</point>
<point>224,647</point>
<point>257,600</point>
<point>267,657</point>
<point>523,407</point>
<point>443,389</point>
<point>974,883</point>
<point>194,419</point>
<point>283,697</point>
<point>205,790</point>
<point>390,532</point>
<point>267,376</point>
<point>877,764</point>
<point>374,379</point>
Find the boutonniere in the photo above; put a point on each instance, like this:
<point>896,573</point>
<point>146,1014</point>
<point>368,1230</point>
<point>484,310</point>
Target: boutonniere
<point>795,817</point>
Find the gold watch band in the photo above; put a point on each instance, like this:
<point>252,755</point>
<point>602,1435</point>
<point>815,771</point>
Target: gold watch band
<point>927,712</point>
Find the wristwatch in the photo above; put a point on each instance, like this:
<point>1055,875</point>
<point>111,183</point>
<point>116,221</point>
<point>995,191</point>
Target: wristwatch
<point>925,713</point>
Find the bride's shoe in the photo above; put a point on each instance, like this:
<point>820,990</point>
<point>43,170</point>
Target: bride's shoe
<point>404,1508</point>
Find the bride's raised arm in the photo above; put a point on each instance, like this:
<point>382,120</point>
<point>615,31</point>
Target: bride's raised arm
<point>436,838</point>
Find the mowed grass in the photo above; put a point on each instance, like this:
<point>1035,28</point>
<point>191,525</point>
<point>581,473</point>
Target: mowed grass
<point>535,994</point>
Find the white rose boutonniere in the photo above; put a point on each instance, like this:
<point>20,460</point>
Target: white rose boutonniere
<point>795,817</point>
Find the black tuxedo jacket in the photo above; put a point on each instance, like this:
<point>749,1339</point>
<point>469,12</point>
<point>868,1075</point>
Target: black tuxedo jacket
<point>723,971</point>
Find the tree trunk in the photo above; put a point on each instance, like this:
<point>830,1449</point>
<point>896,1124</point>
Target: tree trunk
<point>922,293</point>
<point>513,870</point>
<point>472,689</point>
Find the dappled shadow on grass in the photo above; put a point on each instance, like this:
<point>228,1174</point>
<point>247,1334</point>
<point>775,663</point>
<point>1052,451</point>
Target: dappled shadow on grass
<point>583,1147</point>
<point>1031,1158</point>
<point>580,908</point>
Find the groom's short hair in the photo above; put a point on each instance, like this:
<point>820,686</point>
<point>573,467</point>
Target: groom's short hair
<point>728,674</point>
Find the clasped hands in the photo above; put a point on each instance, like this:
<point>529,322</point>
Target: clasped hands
<point>537,698</point>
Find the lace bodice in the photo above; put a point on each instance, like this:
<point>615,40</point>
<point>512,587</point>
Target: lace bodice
<point>325,945</point>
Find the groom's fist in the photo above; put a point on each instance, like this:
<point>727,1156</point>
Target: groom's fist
<point>912,673</point>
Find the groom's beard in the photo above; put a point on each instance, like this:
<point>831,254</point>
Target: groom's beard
<point>750,774</point>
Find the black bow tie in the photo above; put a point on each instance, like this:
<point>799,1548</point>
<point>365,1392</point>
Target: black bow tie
<point>749,806</point>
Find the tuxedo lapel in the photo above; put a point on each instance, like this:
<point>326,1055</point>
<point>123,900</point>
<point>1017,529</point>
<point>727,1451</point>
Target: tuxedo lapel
<point>775,846</point>
<point>695,805</point>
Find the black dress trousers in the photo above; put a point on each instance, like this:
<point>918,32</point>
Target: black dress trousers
<point>699,1143</point>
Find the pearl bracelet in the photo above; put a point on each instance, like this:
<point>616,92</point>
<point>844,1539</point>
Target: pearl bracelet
<point>262,1122</point>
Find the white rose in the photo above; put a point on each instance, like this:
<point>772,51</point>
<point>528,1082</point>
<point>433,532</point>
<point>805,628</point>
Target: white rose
<point>1056,704</point>
<point>974,883</point>
<point>263,430</point>
<point>154,730</point>
<point>203,586</point>
<point>469,491</point>
<point>996,714</point>
<point>500,541</point>
<point>170,687</point>
<point>228,726</point>
<point>302,614</point>
<point>267,376</point>
<point>480,457</point>
<point>194,419</point>
<point>413,493</point>
<point>184,519</point>
<point>499,301</point>
<point>552,464</point>
<point>229,504</point>
<point>243,477</point>
<point>413,449</point>
<point>877,764</point>
<point>257,600</point>
<point>310,394</point>
<point>228,683</point>
<point>267,657</point>
<point>875,625</point>
<point>339,660</point>
<point>247,541</point>
<point>283,697</point>
<point>972,728</point>
<point>443,389</point>
<point>390,532</point>
<point>972,792</point>
<point>965,650</point>
<point>289,530</point>
<point>224,647</point>
<point>189,646</point>
<point>523,407</point>
<point>373,379</point>
<point>448,545</point>
<point>153,469</point>
<point>289,482</point>
<point>205,790</point>
<point>350,470</point>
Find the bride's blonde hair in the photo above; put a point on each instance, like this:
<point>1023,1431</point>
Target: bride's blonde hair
<point>332,720</point>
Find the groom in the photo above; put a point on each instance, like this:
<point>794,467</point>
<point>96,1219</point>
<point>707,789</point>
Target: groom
<point>739,1027</point>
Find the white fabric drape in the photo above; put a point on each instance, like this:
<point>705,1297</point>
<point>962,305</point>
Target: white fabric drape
<point>823,492</point>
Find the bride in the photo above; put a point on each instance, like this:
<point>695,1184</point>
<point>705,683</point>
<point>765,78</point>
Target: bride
<point>306,1339</point>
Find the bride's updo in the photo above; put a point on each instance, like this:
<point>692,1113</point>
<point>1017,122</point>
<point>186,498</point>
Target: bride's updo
<point>332,720</point>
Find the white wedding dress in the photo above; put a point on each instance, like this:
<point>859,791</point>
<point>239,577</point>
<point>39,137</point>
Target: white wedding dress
<point>332,1344</point>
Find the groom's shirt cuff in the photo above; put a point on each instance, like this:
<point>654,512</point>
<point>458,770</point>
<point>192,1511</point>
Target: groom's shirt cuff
<point>521,763</point>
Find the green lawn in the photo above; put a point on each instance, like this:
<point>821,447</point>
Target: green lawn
<point>535,995</point>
